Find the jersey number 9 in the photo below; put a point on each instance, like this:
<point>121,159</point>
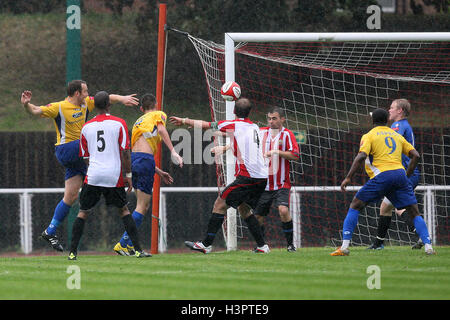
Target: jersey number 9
<point>390,143</point>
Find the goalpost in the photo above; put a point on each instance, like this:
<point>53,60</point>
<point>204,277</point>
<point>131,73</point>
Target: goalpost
<point>326,84</point>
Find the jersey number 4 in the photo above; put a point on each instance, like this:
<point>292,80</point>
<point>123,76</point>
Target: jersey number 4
<point>100,139</point>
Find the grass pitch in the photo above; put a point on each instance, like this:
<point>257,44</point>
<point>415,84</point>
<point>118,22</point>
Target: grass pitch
<point>309,273</point>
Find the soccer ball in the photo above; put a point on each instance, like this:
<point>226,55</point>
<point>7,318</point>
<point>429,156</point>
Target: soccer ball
<point>230,91</point>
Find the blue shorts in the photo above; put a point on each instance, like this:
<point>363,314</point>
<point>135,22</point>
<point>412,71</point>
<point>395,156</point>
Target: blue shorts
<point>143,170</point>
<point>413,181</point>
<point>392,184</point>
<point>68,154</point>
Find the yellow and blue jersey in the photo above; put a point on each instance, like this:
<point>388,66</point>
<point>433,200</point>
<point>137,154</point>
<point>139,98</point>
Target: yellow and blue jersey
<point>384,148</point>
<point>68,118</point>
<point>147,126</point>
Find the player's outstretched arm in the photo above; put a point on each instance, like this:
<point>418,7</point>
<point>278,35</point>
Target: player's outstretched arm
<point>177,121</point>
<point>162,131</point>
<point>29,107</point>
<point>357,163</point>
<point>415,156</point>
<point>129,100</point>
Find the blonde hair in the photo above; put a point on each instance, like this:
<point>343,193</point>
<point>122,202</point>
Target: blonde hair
<point>404,105</point>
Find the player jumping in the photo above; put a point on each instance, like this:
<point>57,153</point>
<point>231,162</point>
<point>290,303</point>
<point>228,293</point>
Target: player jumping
<point>251,175</point>
<point>69,116</point>
<point>148,132</point>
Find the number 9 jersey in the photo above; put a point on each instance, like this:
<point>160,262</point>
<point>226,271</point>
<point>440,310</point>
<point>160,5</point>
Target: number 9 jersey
<point>384,148</point>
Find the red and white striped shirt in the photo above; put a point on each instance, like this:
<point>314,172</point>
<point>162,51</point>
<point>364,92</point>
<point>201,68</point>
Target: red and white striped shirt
<point>246,145</point>
<point>279,168</point>
<point>102,140</point>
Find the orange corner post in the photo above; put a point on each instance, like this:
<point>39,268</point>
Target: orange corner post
<point>159,101</point>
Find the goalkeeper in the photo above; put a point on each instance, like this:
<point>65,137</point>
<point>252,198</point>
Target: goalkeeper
<point>383,148</point>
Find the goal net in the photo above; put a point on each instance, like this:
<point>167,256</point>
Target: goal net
<point>326,86</point>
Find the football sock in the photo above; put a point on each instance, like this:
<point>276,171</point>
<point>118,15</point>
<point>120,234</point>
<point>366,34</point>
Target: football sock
<point>130,228</point>
<point>383,226</point>
<point>350,222</point>
<point>288,230</point>
<point>77,231</point>
<point>255,230</point>
<point>263,230</point>
<point>60,213</point>
<point>215,222</point>
<point>125,240</point>
<point>422,230</point>
<point>406,218</point>
<point>345,244</point>
<point>410,224</point>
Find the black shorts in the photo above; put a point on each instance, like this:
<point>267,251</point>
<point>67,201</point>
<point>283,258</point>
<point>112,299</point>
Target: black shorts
<point>90,196</point>
<point>243,189</point>
<point>278,197</point>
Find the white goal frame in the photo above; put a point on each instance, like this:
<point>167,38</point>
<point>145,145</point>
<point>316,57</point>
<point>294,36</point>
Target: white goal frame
<point>232,38</point>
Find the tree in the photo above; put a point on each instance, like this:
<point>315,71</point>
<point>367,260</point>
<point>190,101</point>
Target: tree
<point>441,6</point>
<point>31,6</point>
<point>117,6</point>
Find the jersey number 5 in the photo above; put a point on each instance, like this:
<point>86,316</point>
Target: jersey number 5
<point>102,141</point>
<point>390,143</point>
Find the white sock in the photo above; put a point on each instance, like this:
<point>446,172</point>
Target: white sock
<point>428,246</point>
<point>345,244</point>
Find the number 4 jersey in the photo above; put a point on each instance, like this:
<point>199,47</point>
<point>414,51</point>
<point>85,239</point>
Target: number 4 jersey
<point>102,140</point>
<point>384,148</point>
<point>246,143</point>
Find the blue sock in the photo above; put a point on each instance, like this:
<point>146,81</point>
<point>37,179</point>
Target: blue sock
<point>350,222</point>
<point>421,229</point>
<point>125,240</point>
<point>60,213</point>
